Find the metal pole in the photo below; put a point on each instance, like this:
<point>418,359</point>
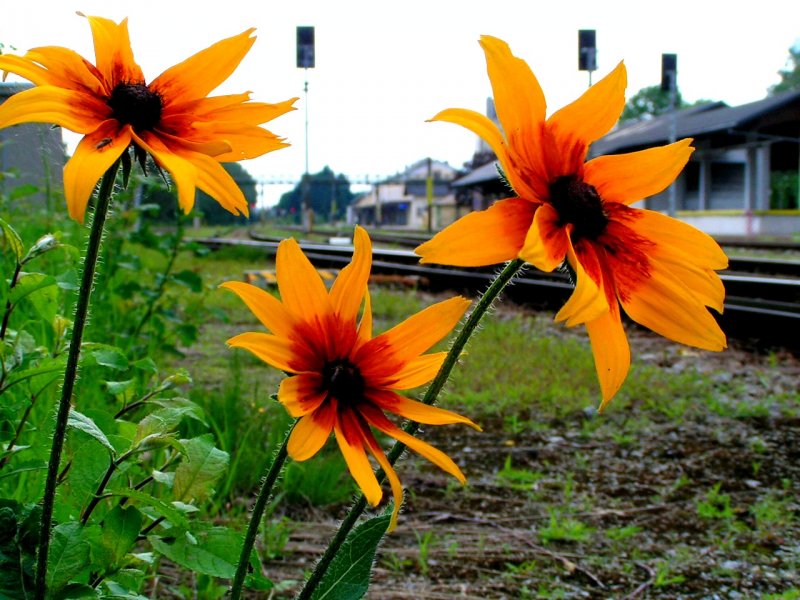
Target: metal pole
<point>673,136</point>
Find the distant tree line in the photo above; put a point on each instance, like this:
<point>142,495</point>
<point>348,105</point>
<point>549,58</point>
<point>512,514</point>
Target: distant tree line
<point>326,193</point>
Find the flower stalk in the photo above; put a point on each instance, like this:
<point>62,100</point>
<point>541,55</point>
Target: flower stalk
<point>430,397</point>
<point>71,372</point>
<point>258,512</point>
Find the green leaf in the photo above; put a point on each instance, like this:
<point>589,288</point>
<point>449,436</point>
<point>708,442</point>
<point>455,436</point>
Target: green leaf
<point>83,423</point>
<point>165,420</point>
<point>78,591</point>
<point>69,555</point>
<point>45,367</point>
<point>28,284</point>
<point>213,552</point>
<point>201,468</point>
<point>121,527</point>
<point>118,387</point>
<point>146,364</point>
<point>12,239</point>
<point>107,356</point>
<point>163,509</point>
<point>348,575</point>
<point>190,279</point>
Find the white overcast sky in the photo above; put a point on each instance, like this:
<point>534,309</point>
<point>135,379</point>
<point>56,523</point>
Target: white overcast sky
<point>383,68</point>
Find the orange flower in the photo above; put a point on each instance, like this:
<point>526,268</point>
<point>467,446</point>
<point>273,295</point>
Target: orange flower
<point>342,379</point>
<point>170,118</point>
<point>659,269</point>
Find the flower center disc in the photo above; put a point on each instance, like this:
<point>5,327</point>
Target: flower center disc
<point>578,203</point>
<point>136,105</point>
<point>343,380</point>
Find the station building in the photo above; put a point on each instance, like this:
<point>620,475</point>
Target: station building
<point>742,180</point>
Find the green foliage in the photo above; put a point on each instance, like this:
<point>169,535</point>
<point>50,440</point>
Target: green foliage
<point>564,529</point>
<point>790,74</point>
<point>349,573</point>
<point>326,193</point>
<point>649,102</point>
<point>784,188</point>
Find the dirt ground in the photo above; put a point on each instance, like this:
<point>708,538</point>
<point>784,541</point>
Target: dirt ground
<point>702,506</point>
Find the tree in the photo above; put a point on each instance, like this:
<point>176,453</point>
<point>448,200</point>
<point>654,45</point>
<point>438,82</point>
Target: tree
<point>327,194</point>
<point>790,76</point>
<point>649,102</point>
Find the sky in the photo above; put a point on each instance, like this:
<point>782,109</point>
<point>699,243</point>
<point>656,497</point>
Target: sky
<point>383,68</point>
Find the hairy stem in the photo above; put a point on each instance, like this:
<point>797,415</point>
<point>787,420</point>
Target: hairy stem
<point>432,393</point>
<point>70,374</point>
<point>258,511</point>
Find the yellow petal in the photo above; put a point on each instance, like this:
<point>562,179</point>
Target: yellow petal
<point>72,110</point>
<point>518,96</point>
<point>378,420</point>
<point>201,73</point>
<point>416,411</point>
<point>183,172</point>
<point>588,301</point>
<point>705,284</point>
<point>480,125</point>
<point>365,326</point>
<point>587,119</point>
<point>350,438</point>
<point>273,350</point>
<point>68,69</point>
<point>266,307</point>
<point>302,290</point>
<point>699,247</point>
<point>418,371</point>
<point>351,284</point>
<point>391,475</point>
<point>664,304</point>
<point>483,237</point>
<point>628,178</point>
<point>546,241</point>
<point>413,336</point>
<point>112,50</point>
<point>93,156</point>
<point>302,393</point>
<point>311,432</point>
<point>254,113</point>
<point>612,354</point>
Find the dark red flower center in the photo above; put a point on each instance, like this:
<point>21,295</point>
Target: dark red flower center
<point>578,203</point>
<point>135,104</point>
<point>343,380</point>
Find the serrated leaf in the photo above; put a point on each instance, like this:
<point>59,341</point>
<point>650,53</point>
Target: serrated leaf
<point>348,575</point>
<point>69,555</point>
<point>12,239</point>
<point>192,409</point>
<point>163,420</point>
<point>83,423</point>
<point>213,552</point>
<point>202,466</point>
<point>28,284</point>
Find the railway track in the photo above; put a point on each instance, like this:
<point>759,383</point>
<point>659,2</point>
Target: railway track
<point>762,301</point>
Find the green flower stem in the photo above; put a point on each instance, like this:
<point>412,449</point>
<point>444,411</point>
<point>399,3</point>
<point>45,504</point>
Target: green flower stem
<point>258,511</point>
<point>432,393</point>
<point>71,372</point>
